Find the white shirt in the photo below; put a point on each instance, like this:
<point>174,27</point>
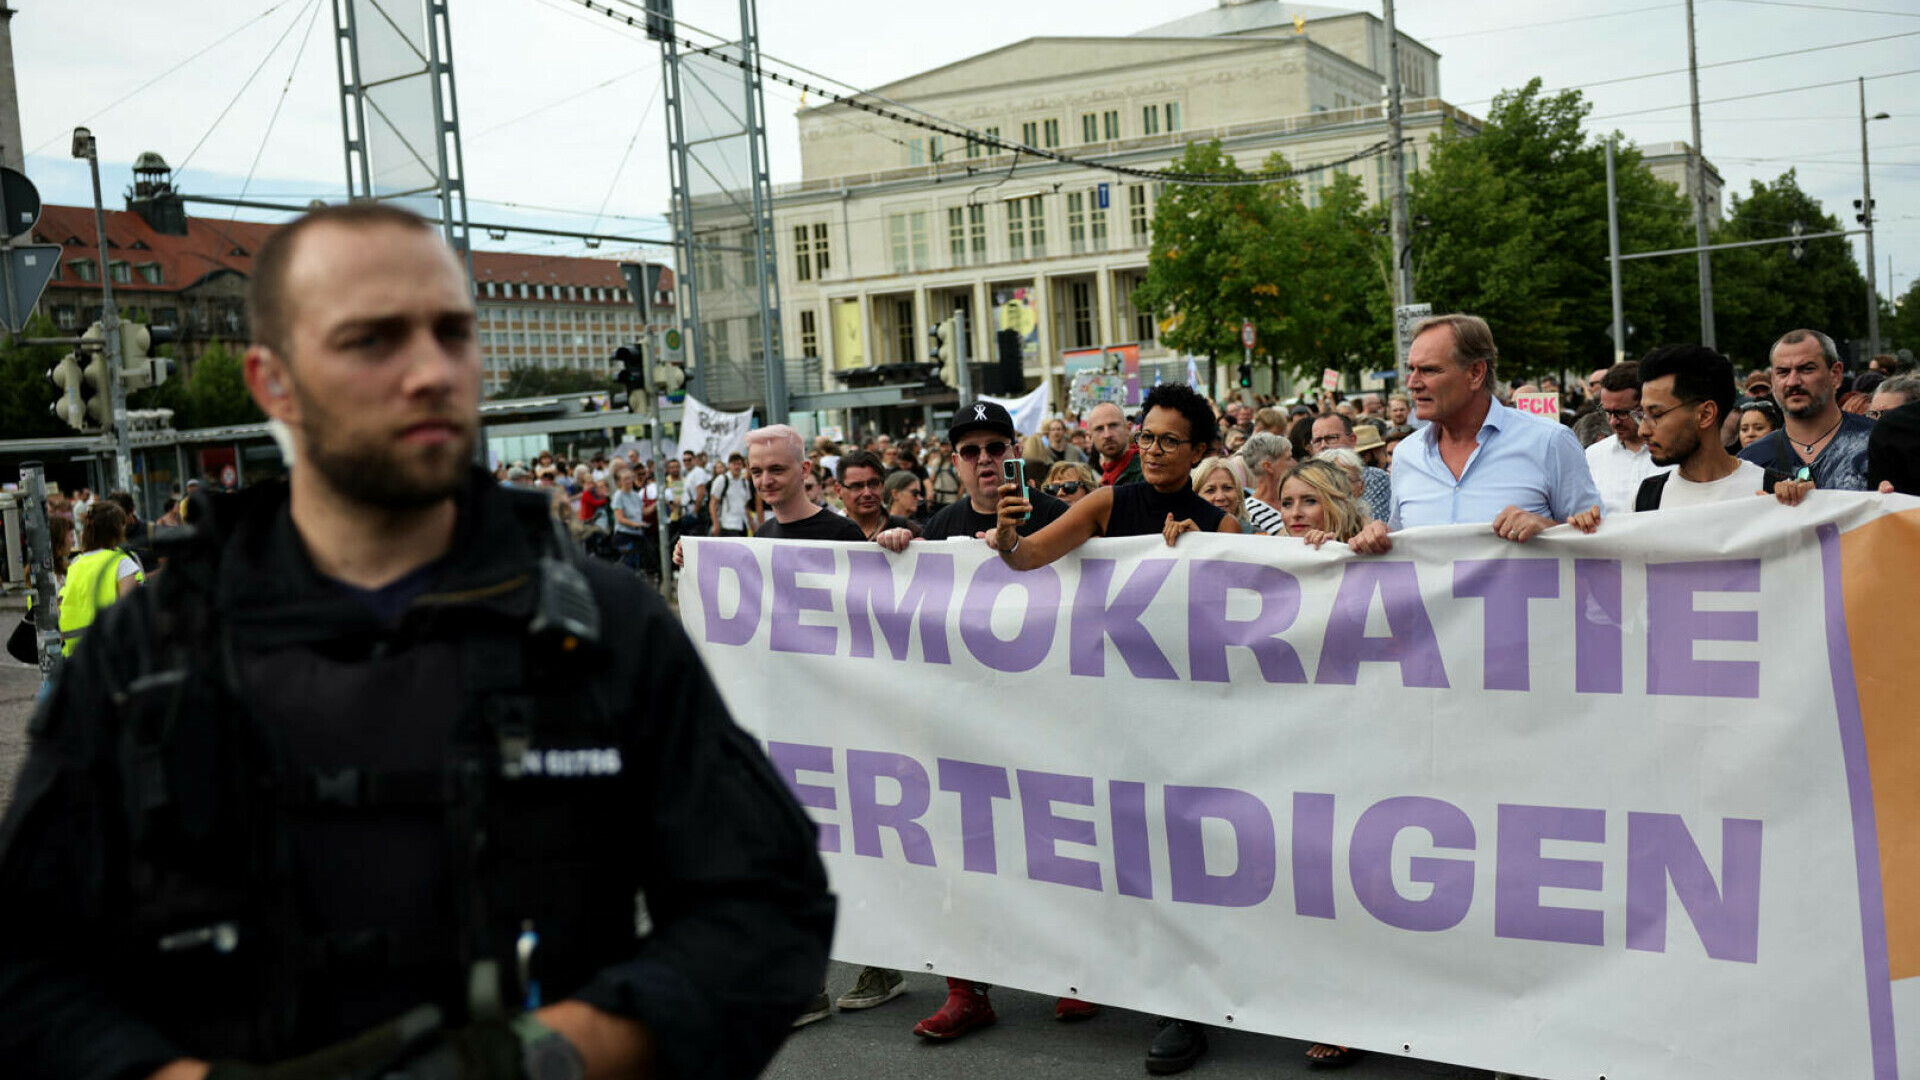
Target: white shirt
<point>697,478</point>
<point>1617,472</point>
<point>734,493</point>
<point>1741,483</point>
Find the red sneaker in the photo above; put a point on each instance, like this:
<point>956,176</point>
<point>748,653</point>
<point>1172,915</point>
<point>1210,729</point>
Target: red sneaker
<point>966,1008</point>
<point>1074,1009</point>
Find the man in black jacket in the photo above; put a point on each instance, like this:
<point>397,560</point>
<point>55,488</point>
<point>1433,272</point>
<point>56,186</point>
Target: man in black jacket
<point>383,779</point>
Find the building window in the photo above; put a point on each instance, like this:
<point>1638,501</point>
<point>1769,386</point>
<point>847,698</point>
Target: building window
<point>1171,111</point>
<point>907,237</point>
<point>1030,133</point>
<point>977,233</point>
<point>1077,222</point>
<point>1110,124</point>
<point>917,152</point>
<point>922,246</point>
<point>905,339</point>
<point>957,235</point>
<point>1145,330</point>
<point>1050,131</point>
<point>1017,229</point>
<point>994,132</point>
<point>1096,222</point>
<point>122,273</point>
<point>973,147</point>
<point>802,253</point>
<point>1089,128</point>
<point>65,317</point>
<point>1150,120</point>
<point>937,148</point>
<point>1026,228</point>
<point>150,273</point>
<point>809,335</point>
<point>897,241</point>
<point>1139,226</point>
<point>85,269</point>
<point>1080,314</point>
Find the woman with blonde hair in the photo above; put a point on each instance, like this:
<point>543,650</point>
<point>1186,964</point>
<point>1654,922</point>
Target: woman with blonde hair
<point>1070,481</point>
<point>1318,503</point>
<point>1220,481</point>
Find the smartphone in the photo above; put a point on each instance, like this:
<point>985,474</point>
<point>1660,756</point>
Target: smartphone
<point>1015,471</point>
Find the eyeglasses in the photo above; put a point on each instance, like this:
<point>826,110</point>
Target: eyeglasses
<point>1648,416</point>
<point>972,451</point>
<point>1623,414</point>
<point>1070,487</point>
<point>1329,440</point>
<point>864,485</point>
<point>1147,440</point>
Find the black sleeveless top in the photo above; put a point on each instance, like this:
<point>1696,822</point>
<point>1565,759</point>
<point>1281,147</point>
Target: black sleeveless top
<point>1141,510</point>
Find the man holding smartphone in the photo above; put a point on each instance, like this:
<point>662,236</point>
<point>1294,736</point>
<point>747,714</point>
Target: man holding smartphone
<point>983,442</point>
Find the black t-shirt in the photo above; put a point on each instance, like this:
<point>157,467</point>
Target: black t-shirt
<point>1141,510</point>
<point>961,519</point>
<point>1840,466</point>
<point>822,525</point>
<point>1893,450</point>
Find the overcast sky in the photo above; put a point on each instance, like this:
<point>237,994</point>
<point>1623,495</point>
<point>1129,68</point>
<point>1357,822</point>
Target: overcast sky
<point>562,120</point>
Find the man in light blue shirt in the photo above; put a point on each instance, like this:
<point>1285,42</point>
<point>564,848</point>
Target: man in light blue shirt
<point>1477,460</point>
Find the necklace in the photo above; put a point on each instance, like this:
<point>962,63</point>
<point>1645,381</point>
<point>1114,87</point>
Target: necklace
<point>1823,436</point>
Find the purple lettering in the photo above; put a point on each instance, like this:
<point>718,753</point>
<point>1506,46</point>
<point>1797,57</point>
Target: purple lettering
<point>1210,632</point>
<point>1029,646</point>
<point>791,759</point>
<point>1520,872</point>
<point>788,633</point>
<point>715,557</point>
<point>1132,860</point>
<point>870,602</point>
<point>1410,640</point>
<point>1726,916</point>
<point>1038,792</point>
<point>868,815</point>
<point>977,786</point>
<point>1253,843</point>
<point>1371,863</point>
<point>1674,625</point>
<point>1095,620</point>
<point>1505,585</point>
<point>1597,607</point>
<point>1313,855</point>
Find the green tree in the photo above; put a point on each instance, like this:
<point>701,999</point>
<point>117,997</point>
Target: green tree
<point>216,394</point>
<point>538,382</point>
<point>25,391</point>
<point>1336,260</point>
<point>1760,293</point>
<point>1900,326</point>
<point>1517,233</point>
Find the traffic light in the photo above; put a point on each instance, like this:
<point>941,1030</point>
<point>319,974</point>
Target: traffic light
<point>1246,376</point>
<point>139,368</point>
<point>71,406</point>
<point>1799,246</point>
<point>633,367</point>
<point>946,352</point>
<point>668,379</point>
<point>1012,369</point>
<point>1863,210</point>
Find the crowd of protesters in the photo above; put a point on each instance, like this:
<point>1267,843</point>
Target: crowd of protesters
<point>1676,427</point>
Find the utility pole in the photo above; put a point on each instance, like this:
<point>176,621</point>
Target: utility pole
<point>33,487</point>
<point>1698,168</point>
<point>1613,260</point>
<point>1866,222</point>
<point>962,358</point>
<point>84,147</point>
<point>1400,226</point>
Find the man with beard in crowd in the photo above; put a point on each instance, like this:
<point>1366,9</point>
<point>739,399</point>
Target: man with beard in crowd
<point>1620,461</point>
<point>1819,442</point>
<point>1119,459</point>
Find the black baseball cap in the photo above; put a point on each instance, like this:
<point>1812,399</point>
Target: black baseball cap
<point>981,416</point>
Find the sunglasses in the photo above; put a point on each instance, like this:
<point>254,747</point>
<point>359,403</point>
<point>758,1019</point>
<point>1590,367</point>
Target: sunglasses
<point>972,451</point>
<point>1070,487</point>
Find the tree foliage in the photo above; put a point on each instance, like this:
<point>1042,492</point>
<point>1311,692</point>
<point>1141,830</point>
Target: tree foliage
<point>1760,293</point>
<point>537,382</point>
<point>1900,327</point>
<point>25,391</point>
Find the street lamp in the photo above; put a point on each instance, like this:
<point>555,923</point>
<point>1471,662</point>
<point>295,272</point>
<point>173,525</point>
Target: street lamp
<point>85,147</point>
<point>1866,222</point>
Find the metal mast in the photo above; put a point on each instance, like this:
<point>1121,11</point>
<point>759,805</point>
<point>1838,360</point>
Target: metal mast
<point>1699,173</point>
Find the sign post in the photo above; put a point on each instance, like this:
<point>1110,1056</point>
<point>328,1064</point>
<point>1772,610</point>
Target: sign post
<point>1246,344</point>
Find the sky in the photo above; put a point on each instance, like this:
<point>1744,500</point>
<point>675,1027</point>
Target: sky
<point>563,126</point>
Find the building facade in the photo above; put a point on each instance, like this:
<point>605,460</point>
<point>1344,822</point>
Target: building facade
<point>169,269</point>
<point>892,229</point>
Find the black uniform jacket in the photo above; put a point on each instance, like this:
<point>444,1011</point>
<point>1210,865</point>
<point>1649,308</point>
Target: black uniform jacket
<point>300,870</point>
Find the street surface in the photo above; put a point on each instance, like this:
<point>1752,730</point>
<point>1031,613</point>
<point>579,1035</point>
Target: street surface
<point>878,1044</point>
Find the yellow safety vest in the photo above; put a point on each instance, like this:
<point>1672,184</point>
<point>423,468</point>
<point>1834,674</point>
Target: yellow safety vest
<point>92,583</point>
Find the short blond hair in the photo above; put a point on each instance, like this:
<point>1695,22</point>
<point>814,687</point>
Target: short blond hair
<point>1232,466</point>
<point>781,435</point>
<point>1472,339</point>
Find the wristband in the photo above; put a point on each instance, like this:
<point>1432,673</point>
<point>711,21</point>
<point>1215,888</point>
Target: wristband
<point>1015,547</point>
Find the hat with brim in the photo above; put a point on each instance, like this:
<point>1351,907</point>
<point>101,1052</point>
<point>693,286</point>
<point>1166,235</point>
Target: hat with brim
<point>981,416</point>
<point>1367,437</point>
<point>1759,380</point>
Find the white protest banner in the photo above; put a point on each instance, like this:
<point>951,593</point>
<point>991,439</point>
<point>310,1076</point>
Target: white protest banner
<point>1636,804</point>
<point>709,431</point>
<point>1028,412</point>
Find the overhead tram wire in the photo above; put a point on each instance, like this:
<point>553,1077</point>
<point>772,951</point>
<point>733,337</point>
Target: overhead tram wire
<point>575,96</point>
<point>298,53</point>
<point>614,184</point>
<point>1550,22</point>
<point>1829,7</point>
<point>957,131</point>
<point>136,91</point>
<point>1761,93</point>
<point>258,68</point>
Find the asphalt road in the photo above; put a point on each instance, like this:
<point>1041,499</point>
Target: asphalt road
<point>878,1044</point>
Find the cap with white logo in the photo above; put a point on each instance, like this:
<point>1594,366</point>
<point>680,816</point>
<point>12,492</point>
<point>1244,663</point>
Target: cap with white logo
<point>981,416</point>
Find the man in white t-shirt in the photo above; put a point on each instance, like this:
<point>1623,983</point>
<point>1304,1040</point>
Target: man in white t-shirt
<point>1686,393</point>
<point>730,496</point>
<point>1620,461</point>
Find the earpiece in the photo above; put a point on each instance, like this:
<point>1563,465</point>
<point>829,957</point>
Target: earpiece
<point>273,385</point>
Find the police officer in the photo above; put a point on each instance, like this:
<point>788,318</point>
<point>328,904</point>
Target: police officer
<point>380,778</point>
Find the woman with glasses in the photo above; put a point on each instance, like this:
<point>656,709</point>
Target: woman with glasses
<point>1071,481</point>
<point>1177,427</point>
